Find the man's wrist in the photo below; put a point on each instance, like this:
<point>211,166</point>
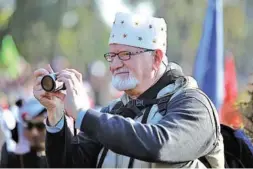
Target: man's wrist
<point>54,129</point>
<point>54,117</point>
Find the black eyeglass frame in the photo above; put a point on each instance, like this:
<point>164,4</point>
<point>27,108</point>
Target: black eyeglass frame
<point>111,55</point>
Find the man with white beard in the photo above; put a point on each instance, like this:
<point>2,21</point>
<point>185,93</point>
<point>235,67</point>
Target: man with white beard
<point>162,120</point>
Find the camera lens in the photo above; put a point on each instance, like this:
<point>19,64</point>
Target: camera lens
<point>47,83</point>
<point>50,84</point>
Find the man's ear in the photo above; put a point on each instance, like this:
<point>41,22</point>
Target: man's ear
<point>158,57</point>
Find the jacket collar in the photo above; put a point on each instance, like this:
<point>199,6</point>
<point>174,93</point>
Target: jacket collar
<point>172,73</point>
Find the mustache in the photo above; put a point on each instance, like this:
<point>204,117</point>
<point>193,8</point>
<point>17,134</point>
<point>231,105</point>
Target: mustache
<point>122,70</point>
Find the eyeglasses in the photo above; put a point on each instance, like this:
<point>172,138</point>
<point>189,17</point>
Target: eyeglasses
<point>40,126</point>
<point>124,55</point>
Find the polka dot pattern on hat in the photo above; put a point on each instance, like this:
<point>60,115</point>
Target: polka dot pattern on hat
<point>139,31</point>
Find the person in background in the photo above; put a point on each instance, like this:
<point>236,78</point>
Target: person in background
<point>28,138</point>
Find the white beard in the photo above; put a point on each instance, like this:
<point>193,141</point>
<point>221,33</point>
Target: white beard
<point>124,84</point>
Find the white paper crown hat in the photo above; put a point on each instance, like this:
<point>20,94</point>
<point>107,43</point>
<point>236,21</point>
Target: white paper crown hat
<point>139,31</point>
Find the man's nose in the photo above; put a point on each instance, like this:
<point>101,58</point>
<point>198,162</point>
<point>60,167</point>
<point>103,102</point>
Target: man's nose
<point>116,64</point>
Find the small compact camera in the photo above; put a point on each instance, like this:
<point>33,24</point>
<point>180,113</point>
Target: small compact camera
<point>50,84</point>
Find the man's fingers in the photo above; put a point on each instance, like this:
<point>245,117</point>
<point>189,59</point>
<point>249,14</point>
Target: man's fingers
<point>37,87</point>
<point>49,69</point>
<point>40,72</point>
<point>59,95</point>
<point>38,80</point>
<point>77,74</point>
<point>74,74</point>
<point>68,75</point>
<point>68,83</point>
<point>39,92</point>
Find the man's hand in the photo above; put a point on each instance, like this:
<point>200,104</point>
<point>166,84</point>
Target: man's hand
<point>49,100</point>
<point>75,94</point>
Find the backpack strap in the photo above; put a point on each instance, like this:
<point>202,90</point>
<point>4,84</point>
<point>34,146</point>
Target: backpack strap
<point>126,112</point>
<point>143,120</point>
<point>162,108</point>
<point>136,105</point>
<point>116,107</point>
<point>102,158</point>
<point>162,104</point>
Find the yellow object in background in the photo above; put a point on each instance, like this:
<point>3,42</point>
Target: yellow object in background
<point>9,57</point>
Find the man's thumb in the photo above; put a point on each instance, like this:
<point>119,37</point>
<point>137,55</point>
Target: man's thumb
<point>59,95</point>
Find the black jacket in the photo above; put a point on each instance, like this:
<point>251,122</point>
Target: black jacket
<point>28,160</point>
